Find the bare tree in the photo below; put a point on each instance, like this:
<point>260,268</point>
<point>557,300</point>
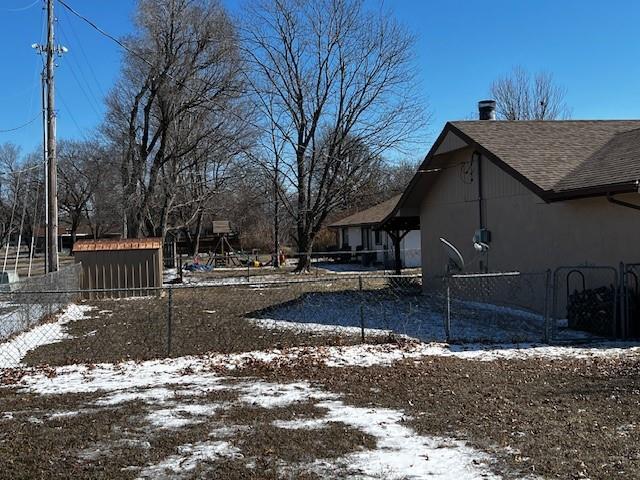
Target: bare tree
<point>328,77</point>
<point>179,91</point>
<point>522,96</point>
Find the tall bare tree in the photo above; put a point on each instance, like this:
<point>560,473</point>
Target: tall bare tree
<point>520,95</point>
<point>88,186</point>
<point>329,76</point>
<point>179,90</point>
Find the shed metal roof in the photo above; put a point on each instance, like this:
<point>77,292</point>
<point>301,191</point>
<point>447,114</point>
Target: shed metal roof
<point>103,245</point>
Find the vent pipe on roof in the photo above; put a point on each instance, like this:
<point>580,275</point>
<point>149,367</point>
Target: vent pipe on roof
<point>487,109</point>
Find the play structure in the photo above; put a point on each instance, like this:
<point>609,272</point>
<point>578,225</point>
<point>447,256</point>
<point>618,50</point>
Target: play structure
<point>223,254</point>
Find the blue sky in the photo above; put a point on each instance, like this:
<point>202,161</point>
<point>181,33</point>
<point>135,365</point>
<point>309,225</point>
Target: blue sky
<point>591,47</point>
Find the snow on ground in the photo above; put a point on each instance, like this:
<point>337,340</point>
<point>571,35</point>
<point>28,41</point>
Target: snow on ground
<point>417,316</point>
<point>400,452</point>
<point>169,274</point>
<point>342,268</point>
<point>14,350</point>
<point>195,279</point>
<point>23,316</point>
<point>311,328</point>
<point>189,457</point>
<point>174,389</point>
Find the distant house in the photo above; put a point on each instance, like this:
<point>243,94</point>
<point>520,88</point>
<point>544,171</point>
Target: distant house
<point>367,231</point>
<point>65,240</point>
<point>539,194</point>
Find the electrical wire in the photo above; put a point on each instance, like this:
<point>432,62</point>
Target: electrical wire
<point>7,130</point>
<point>103,32</point>
<point>143,59</point>
<point>87,92</point>
<point>22,9</point>
<point>79,46</point>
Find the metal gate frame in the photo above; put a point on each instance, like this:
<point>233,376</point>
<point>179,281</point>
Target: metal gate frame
<point>617,316</point>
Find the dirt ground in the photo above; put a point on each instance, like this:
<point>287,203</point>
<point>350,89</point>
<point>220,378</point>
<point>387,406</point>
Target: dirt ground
<point>569,419</point>
<point>210,319</point>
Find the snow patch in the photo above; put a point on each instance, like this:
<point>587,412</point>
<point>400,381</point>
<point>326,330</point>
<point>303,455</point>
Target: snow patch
<point>313,327</point>
<point>13,351</point>
<point>188,458</point>
<point>181,415</point>
<point>270,395</point>
<point>400,453</point>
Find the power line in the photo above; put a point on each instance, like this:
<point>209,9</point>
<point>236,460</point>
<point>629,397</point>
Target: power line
<point>103,32</point>
<point>88,91</point>
<point>22,9</point>
<point>169,75</point>
<point>79,45</point>
<point>7,130</point>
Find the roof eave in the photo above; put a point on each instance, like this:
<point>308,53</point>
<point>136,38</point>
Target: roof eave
<point>450,127</point>
<point>414,179</point>
<point>594,191</point>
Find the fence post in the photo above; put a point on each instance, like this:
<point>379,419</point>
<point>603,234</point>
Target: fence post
<point>547,310</point>
<point>447,319</point>
<point>169,320</point>
<point>361,307</point>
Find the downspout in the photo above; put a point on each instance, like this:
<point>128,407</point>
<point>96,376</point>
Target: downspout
<point>478,158</point>
<point>484,266</point>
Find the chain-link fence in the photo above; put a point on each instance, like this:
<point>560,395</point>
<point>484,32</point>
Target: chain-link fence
<point>24,304</point>
<point>231,317</point>
<point>245,264</point>
<point>50,320</point>
<point>502,307</point>
<point>28,308</point>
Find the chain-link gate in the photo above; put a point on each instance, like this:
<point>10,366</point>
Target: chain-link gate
<point>630,299</point>
<point>585,301</point>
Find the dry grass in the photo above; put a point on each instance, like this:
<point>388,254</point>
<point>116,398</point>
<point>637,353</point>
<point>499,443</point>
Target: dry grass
<point>564,419</point>
<point>203,320</point>
<point>117,442</point>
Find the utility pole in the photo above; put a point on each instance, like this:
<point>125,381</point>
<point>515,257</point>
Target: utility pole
<point>46,167</point>
<point>52,164</point>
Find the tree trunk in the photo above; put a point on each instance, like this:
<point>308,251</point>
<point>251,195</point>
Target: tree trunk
<point>305,245</point>
<point>196,242</point>
<point>276,223</point>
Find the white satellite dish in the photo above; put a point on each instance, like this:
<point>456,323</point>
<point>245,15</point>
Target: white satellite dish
<point>456,262</point>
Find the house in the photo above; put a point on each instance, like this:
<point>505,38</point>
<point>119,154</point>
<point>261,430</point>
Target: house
<point>65,239</point>
<point>366,231</point>
<point>528,195</point>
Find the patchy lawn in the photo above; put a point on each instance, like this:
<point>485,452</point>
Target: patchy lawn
<point>365,411</point>
<point>283,397</point>
<point>202,320</point>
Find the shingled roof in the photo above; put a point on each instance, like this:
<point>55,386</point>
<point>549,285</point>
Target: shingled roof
<point>370,216</point>
<point>557,156</point>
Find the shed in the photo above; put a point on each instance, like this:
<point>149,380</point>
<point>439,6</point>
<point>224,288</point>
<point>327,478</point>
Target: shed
<point>120,264</point>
